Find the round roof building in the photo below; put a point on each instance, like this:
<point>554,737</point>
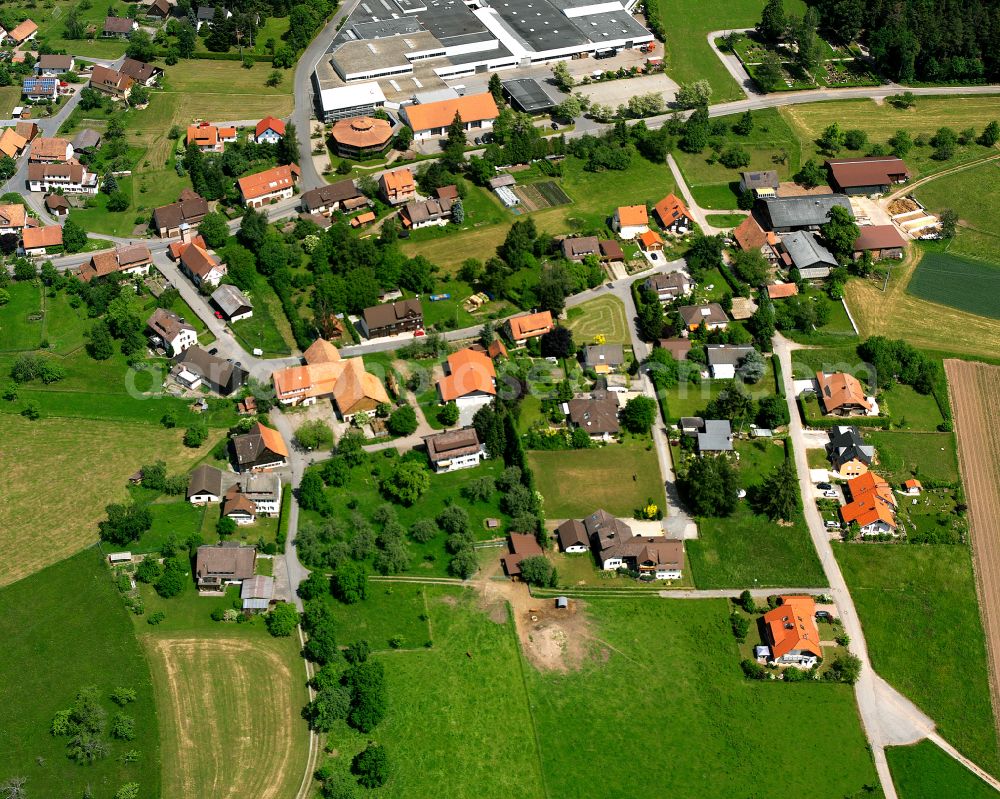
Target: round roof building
<point>361,136</point>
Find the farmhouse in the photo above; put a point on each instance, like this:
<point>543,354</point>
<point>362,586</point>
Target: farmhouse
<point>261,448</point>
<point>882,241</point>
<point>477,112</point>
<point>111,82</point>
<point>340,196</point>
<point>42,240</point>
<point>841,394</point>
<point>673,215</point>
<point>615,547</point>
<point>270,130</point>
<point>791,633</point>
<point>848,453</point>
<point>521,546</point>
<point>426,213</point>
<point>210,139</point>
<point>238,506</point>
<point>750,236</point>
<point>724,359</point>
<point>361,137</point>
<point>129,259</point>
<point>470,379</point>
<point>390,319</point>
<point>232,303</point>
<point>86,140</point>
<point>158,9</point>
<point>57,205</point>
<point>866,175</point>
<point>454,449</point>
<point>268,186</point>
<point>711,316</point>
<point>196,365</point>
<point>140,72</point>
<point>175,334</point>
<point>219,565</point>
<point>69,178</point>
<point>803,252</point>
<point>595,413</point>
<point>787,214</point>
<point>764,185</point>
<point>668,287</point>
<point>46,150</point>
<point>205,485</point>
<point>872,506</point>
<point>603,358</point>
<point>397,186</point>
<point>119,27</point>
<point>521,328</point>
<point>190,210</point>
<point>326,374</point>
<point>630,220</point>
<point>257,593</point>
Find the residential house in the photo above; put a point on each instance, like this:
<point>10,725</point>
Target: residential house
<point>210,138</point>
<point>808,212</point>
<point>872,506</point>
<point>50,150</point>
<point>200,265</point>
<point>912,488</point>
<point>361,138</point>
<point>470,379</point>
<point>650,241</point>
<point>111,82</point>
<point>119,27</point>
<point>257,593</point>
<point>595,413</point>
<point>520,328</point>
<point>882,241</point>
<point>196,365</point>
<point>691,425</point>
<point>578,248</point>
<point>397,186</point>
<point>603,358</point>
<point>190,210</point>
<point>803,251</point>
<point>219,565</point>
<point>158,9</point>
<point>711,316</point>
<point>866,174</point>
<point>391,319</point>
<point>127,259</point>
<point>141,72</point>
<point>520,546</point>
<point>363,219</point>
<point>848,453</point>
<point>261,448</point>
<point>27,130</point>
<point>206,16</point>
<point>446,193</point>
<point>57,205</point>
<point>716,435</point>
<point>477,112</point>
<point>269,130</point>
<point>170,329</point>
<point>725,359</point>
<point>345,381</point>
<point>750,236</point>
<point>86,140</point>
<point>342,102</point>
<point>40,88</point>
<point>13,218</point>
<point>615,546</point>
<point>455,449</point>
<point>71,177</point>
<point>24,32</point>
<point>779,291</point>
<point>791,633</point>
<point>232,302</point>
<point>42,240</point>
<point>340,196</point>
<point>764,184</point>
<point>268,186</point>
<point>426,213</point>
<point>238,506</point>
<point>572,537</point>
<point>11,143</point>
<point>630,220</point>
<point>673,215</point>
<point>205,485</point>
<point>678,347</point>
<point>668,287</point>
<point>841,394</point>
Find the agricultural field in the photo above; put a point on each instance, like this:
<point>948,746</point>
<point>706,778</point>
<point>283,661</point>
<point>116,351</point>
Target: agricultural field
<point>974,388</point>
<point>66,628</point>
<point>921,619</point>
<point>54,453</point>
<point>541,195</point>
<point>604,316</point>
<point>618,478</point>
<point>971,193</point>
<point>923,771</point>
<point>957,282</point>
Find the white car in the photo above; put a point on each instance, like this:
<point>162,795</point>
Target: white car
<point>833,525</point>
<point>830,494</point>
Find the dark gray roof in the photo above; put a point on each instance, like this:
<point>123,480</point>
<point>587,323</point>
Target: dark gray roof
<point>528,95</point>
<point>86,139</point>
<point>230,300</point>
<point>717,436</point>
<point>846,444</point>
<point>802,212</point>
<point>726,354</point>
<point>216,371</point>
<point>378,316</point>
<point>768,179</point>
<point>806,252</point>
<point>452,444</point>
<point>327,195</point>
<point>608,354</point>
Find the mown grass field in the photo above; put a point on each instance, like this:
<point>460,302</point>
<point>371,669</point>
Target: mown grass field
<point>924,771</point>
<point>31,318</point>
<point>59,475</point>
<point>391,609</point>
<point>689,399</point>
<point>618,478</point>
<point>51,17</point>
<point>910,410</point>
<point>66,628</point>
<point>604,316</point>
<point>725,221</point>
<point>9,97</point>
<point>972,194</point>
<point>958,282</point>
<point>925,454</point>
<point>921,618</point>
<point>264,330</point>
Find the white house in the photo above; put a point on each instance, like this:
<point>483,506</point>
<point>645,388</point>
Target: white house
<point>70,178</point>
<point>176,334</point>
<point>205,486</point>
<point>791,633</point>
<point>269,130</point>
<point>630,221</point>
<point>264,489</point>
<point>455,449</point>
<point>723,359</point>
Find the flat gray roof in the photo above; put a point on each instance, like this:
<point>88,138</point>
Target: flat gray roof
<point>609,26</point>
<point>528,94</point>
<point>539,23</point>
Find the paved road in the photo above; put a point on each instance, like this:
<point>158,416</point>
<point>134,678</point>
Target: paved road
<point>732,62</point>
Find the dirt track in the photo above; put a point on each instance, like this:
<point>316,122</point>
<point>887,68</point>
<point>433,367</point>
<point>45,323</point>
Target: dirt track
<point>975,399</point>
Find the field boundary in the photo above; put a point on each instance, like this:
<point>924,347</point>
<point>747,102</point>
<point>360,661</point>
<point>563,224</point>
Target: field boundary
<point>974,389</point>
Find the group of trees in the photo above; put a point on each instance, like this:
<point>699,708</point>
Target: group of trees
<point>776,26</point>
<point>893,360</point>
<point>87,727</point>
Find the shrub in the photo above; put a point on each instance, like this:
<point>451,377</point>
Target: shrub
<point>371,765</point>
<point>282,621</point>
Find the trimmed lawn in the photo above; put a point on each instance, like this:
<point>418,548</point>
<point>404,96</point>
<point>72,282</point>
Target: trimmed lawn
<point>66,628</point>
<point>903,455</point>
<point>604,316</point>
<point>225,90</point>
<point>921,617</point>
<point>689,399</point>
<point>618,478</point>
<point>971,193</point>
<point>177,518</point>
<point>264,330</point>
<point>10,96</point>
<point>579,571</point>
<point>806,362</point>
<point>725,221</point>
<point>924,771</point>
<point>910,410</point>
<point>391,609</point>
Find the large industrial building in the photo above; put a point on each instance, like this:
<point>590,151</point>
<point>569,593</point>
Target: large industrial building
<point>413,46</point>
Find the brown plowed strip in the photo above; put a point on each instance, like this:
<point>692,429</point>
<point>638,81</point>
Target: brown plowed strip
<point>974,389</point>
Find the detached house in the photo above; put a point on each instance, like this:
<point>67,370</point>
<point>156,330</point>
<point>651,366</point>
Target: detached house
<point>630,220</point>
<point>209,138</point>
<point>111,82</point>
<point>470,379</point>
<point>238,506</point>
<point>397,186</point>
<point>42,240</point>
<point>195,366</point>
<point>268,186</point>
<point>340,196</point>
<point>791,633</point>
<point>848,453</point>
<point>603,358</point>
<point>521,328</point>
<point>711,315</point>
<point>426,213</point>
<point>228,563</point>
<point>579,247</point>
<point>841,394</point>
<point>24,32</point>
<point>264,490</point>
<point>158,9</point>
<point>750,236</point>
<point>724,359</point>
<point>189,210</point>
<point>261,448</point>
<point>54,65</point>
<point>803,251</point>
<point>128,259</point>
<point>200,265</point>
<point>673,215</point>
<point>205,485</point>
<point>668,287</point>
<point>119,27</point>
<point>455,449</point>
<point>40,88</point>
<point>572,537</point>
<point>50,150</point>
<point>615,546</point>
<point>595,413</point>
<point>69,178</point>
<point>141,72</point>
<point>12,144</point>
<point>391,319</point>
<point>269,130</point>
<point>872,506</point>
<point>12,219</point>
<point>174,333</point>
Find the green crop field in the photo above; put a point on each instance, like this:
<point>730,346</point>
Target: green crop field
<point>901,455</point>
<point>618,478</point>
<point>924,771</point>
<point>921,618</point>
<point>958,282</point>
<point>604,316</point>
<point>64,629</point>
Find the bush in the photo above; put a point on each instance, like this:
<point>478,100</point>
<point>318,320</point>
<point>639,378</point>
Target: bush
<point>371,765</point>
<point>172,581</point>
<point>753,670</point>
<point>740,626</point>
<point>282,621</point>
<point>402,421</point>
<point>538,570</point>
<point>349,583</point>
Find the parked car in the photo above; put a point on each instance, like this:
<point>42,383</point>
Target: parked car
<point>218,314</point>
<point>833,525</point>
<point>830,494</point>
<point>824,486</point>
<point>823,614</point>
<point>213,351</point>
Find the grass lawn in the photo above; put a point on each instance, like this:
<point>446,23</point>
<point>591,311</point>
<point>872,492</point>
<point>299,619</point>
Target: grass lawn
<point>958,282</point>
<point>391,609</point>
<point>32,317</point>
<point>688,399</point>
<point>579,571</point>
<point>837,331</point>
<point>725,221</point>
<point>924,771</point>
<point>55,453</point>
<point>806,362</point>
<point>618,478</point>
<point>902,455</point>
<point>604,316</point>
<point>224,90</point>
<point>177,518</point>
<point>265,329</point>
<point>66,628</point>
<point>482,208</point>
<point>921,619</point>
<point>10,96</point>
<point>910,410</point>
<point>970,193</point>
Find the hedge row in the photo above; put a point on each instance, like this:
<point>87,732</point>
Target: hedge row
<point>826,422</point>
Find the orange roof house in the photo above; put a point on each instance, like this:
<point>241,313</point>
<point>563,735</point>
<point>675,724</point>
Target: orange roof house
<point>791,632</point>
<point>673,214</point>
<point>41,238</point>
<point>496,349</point>
<point>397,185</point>
<point>11,144</point>
<point>913,486</point>
<point>842,394</point>
<point>271,184</point>
<point>872,505</point>
<point>526,326</point>
<point>269,124</point>
<point>777,291</point>
<point>50,149</point>
<point>749,235</point>
<point>361,136</point>
<point>12,218</point>
<point>431,119</point>
<point>24,31</point>
<point>630,220</point>
<point>650,241</point>
<point>471,375</point>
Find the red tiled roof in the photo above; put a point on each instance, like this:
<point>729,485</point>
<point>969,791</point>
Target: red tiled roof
<point>267,182</point>
<point>270,123</point>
